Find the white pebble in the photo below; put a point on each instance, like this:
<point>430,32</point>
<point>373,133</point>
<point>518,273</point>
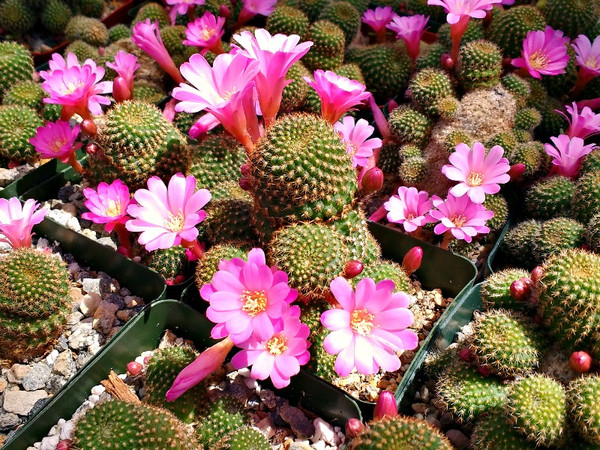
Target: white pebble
<point>319,445</point>
<point>251,383</point>
<point>98,389</point>
<point>51,358</point>
<point>140,360</point>
<point>50,442</point>
<point>93,399</point>
<point>323,432</point>
<point>67,430</point>
<point>53,431</point>
<point>245,372</point>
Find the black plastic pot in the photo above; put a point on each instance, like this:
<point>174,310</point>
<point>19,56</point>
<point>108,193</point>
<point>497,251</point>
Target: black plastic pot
<point>144,332</point>
<point>489,266</point>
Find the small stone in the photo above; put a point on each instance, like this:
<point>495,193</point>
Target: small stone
<point>51,358</point>
<point>108,242</point>
<point>22,402</point>
<point>296,445</point>
<point>131,301</point>
<point>320,445</point>
<point>3,385</point>
<point>70,209</point>
<point>432,420</point>
<point>58,216</point>
<point>76,295</point>
<point>88,233</point>
<point>419,407</point>
<point>98,389</point>
<point>36,378</point>
<point>266,426</point>
<point>73,224</point>
<point>64,364</point>
<point>104,317</point>
<point>55,383</point>
<point>17,372</point>
<point>74,319</point>
<point>125,315</point>
<point>458,439</point>
<point>66,432</point>
<point>297,420</point>
<point>8,422</point>
<point>89,303</point>
<point>323,432</point>
<point>50,442</point>
<point>96,285</point>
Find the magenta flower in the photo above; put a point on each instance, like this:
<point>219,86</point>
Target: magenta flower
<point>587,54</point>
<point>146,35</point>
<point>478,174</point>
<point>378,18</point>
<point>247,299</point>
<point>410,208</point>
<point>251,8</point>
<point>108,204</point>
<point>338,94</point>
<point>57,62</point>
<point>584,124</point>
<point>181,7</point>
<point>410,29</point>
<point>544,53</point>
<point>56,140</point>
<point>459,9</point>
<point>567,153</point>
<point>226,90</point>
<point>167,216</point>
<point>125,65</point>
<point>203,125</point>
<point>206,33</point>
<point>280,355</point>
<point>461,216</point>
<point>369,328</point>
<point>275,55</point>
<point>356,137</point>
<point>17,221</point>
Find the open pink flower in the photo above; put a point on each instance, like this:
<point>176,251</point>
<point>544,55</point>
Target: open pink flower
<point>459,9</point>
<point>587,54</point>
<point>280,354</point>
<point>356,137</point>
<point>57,62</point>
<point>16,221</point>
<point>461,216</point>
<point>181,7</point>
<point>56,140</point>
<point>544,53</point>
<point>275,55</point>
<point>125,65</point>
<point>378,18</point>
<point>410,208</point>
<point>247,298</point>
<point>369,328</point>
<point>226,90</point>
<point>146,35</point>
<point>338,94</point>
<point>252,8</point>
<point>581,124</point>
<point>166,216</point>
<point>410,29</point>
<point>108,204</point>
<point>206,33</point>
<point>478,174</point>
<point>567,153</point>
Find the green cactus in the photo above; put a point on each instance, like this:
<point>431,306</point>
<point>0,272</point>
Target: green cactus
<point>294,94</point>
<point>537,408</point>
<point>118,32</point>
<point>593,233</point>
<point>506,139</point>
<point>90,8</point>
<point>288,20</point>
<point>82,50</point>
<point>498,205</point>
<point>431,57</point>
<point>120,425</point>
<point>527,119</point>
<point>16,17</point>
<point>147,93</point>
<point>301,171</point>
<point>519,242</point>
<point>458,136</point>
<point>436,13</point>
<point>583,408</point>
<point>170,262</point>
<point>312,8</point>
<point>16,64</point>
<point>243,439</point>
<point>493,432</point>
<point>550,198</point>
<point>473,32</point>
<point>51,112</point>
<point>573,17</point>
<point>223,417</point>
<point>556,235</point>
<point>34,302</point>
<point>495,289</point>
<point>557,85</point>
<point>327,51</point>
<point>87,29</point>
<point>25,93</point>
<point>517,86</point>
<point>510,27</point>
<point>321,363</point>
<point>17,125</point>
<point>428,87</point>
<point>173,37</point>
<point>152,11</point>
<point>479,64</point>
<point>413,170</point>
<point>591,163</point>
<point>531,154</point>
<point>209,264</point>
<point>360,242</point>
<point>385,270</point>
<point>586,197</point>
<point>411,126</point>
<point>56,16</point>
<point>184,121</point>
<point>345,16</point>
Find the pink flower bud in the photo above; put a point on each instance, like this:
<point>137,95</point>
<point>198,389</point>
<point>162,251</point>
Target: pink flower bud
<point>466,354</point>
<point>147,360</point>
<point>121,91</point>
<point>65,444</point>
<point>89,127</point>
<point>392,104</point>
<point>134,368</point>
<point>520,289</point>
<point>516,171</point>
<point>245,170</point>
<point>536,274</point>
<point>354,427</point>
<point>245,184</point>
<point>91,149</point>
<point>352,269</point>
<point>447,61</point>
<point>386,406</point>
<point>412,260</point>
<point>372,181</point>
<point>224,11</point>
<point>484,371</point>
<point>580,362</point>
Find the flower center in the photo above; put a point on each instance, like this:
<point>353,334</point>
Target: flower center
<point>459,220</point>
<point>277,345</point>
<point>254,302</point>
<point>57,145</point>
<point>361,322</point>
<point>175,222</point>
<point>113,209</point>
<point>72,87</point>
<point>410,217</point>
<point>539,60</point>
<point>475,179</point>
<point>592,63</point>
<point>207,33</point>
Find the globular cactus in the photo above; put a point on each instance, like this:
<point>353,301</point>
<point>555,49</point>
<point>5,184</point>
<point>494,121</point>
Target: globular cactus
<point>242,439</point>
<point>591,163</point>
<point>34,303</point>
<point>428,87</point>
<point>385,270</point>
<point>556,235</point>
<point>171,263</point>
<point>430,57</point>
<point>586,197</point>
<point>90,8</point>
<point>345,16</point>
<point>117,424</point>
<point>17,125</point>
<point>413,170</point>
<point>517,86</point>
<point>410,126</point>
<point>222,417</point>
<point>474,32</point>
<point>173,37</point>
<point>361,243</point>
<point>593,233</point>
<point>56,16</point>
<point>495,289</point>
<point>118,31</point>
<point>294,94</point>
<point>25,93</point>
<point>327,51</point>
<point>493,432</point>
<point>531,155</point>
<point>152,11</point>
<point>527,119</point>
<point>312,8</point>
<point>519,243</point>
<point>550,198</point>
<point>87,29</point>
<point>583,408</point>
<point>506,139</point>
<point>288,20</point>
<point>479,64</point>
<point>321,363</point>
<point>571,16</point>
<point>147,92</point>
<point>498,205</point>
<point>509,28</point>
<point>458,136</point>
<point>16,17</point>
<point>16,64</point>
<point>209,264</point>
<point>82,50</point>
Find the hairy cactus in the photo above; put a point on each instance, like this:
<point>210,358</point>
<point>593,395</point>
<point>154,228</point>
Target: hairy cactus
<point>17,125</point>
<point>583,407</point>
<point>345,16</point>
<point>360,242</point>
<point>593,233</point>
<point>411,126</point>
<point>509,28</point>
<point>493,432</point>
<point>16,17</point>
<point>556,235</point>
<point>428,87</point>
<point>90,8</point>
<point>479,64</point>
<point>244,438</point>
<point>527,119</point>
<point>87,29</point>
<point>413,170</point>
<point>34,302</point>
<point>495,289</point>
<point>591,163</point>
<point>16,64</point>
<point>56,16</point>
<point>550,198</point>
<point>519,243</point>
<point>586,197</point>
<point>294,94</point>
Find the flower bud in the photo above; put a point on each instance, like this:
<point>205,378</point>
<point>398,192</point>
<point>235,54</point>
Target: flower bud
<point>224,11</point>
<point>89,127</point>
<point>466,354</point>
<point>245,170</point>
<point>352,269</point>
<point>447,61</point>
<point>134,368</point>
<point>245,184</point>
<point>121,91</point>
<point>484,371</point>
<point>412,260</point>
<point>91,149</point>
<point>354,427</point>
<point>536,274</point>
<point>520,289</point>
<point>516,171</point>
<point>372,181</point>
<point>580,362</point>
<point>386,406</point>
<point>65,444</point>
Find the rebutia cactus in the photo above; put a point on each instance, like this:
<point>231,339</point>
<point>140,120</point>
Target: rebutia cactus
<point>411,126</point>
<point>517,86</point>
<point>90,8</point>
<point>493,432</point>
<point>87,29</point>
<point>16,17</point>
<point>537,408</point>
<point>479,64</point>
<point>82,50</point>
<point>473,32</point>
<point>591,163</point>
<point>401,433</point>
<point>17,125</point>
<point>431,56</point>
<point>25,93</point>
<point>468,394</point>
<point>527,119</point>
<point>223,417</point>
<point>428,87</point>
<point>556,235</point>
<point>117,424</point>
<point>593,233</point>
<point>381,270</point>
<point>16,64</point>
<point>209,264</point>
<point>170,263</point>
<point>288,20</point>
<point>498,205</point>
<point>505,343</point>
<point>509,28</point>
<point>583,407</point>
<point>119,31</point>
<point>327,52</point>
<point>321,363</point>
<point>345,16</point>
<point>56,16</point>
<point>571,16</point>
<point>586,197</point>
<point>362,245</point>
<point>495,289</point>
<point>519,243</point>
<point>152,11</point>
<point>34,302</point>
<point>300,170</point>
<point>243,439</point>
<point>294,94</point>
<point>312,8</point>
<point>550,198</point>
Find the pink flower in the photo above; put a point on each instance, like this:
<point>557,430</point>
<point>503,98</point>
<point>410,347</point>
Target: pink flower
<point>355,136</point>
<point>478,174</point>
<point>410,208</point>
<point>582,124</point>
<point>544,53</point>
<point>458,9</point>
<point>108,204</point>
<point>16,221</point>
<point>181,7</point>
<point>378,18</point>
<point>247,299</point>
<point>146,36</point>
<point>203,125</point>
<point>410,29</point>
<point>462,217</point>
<point>226,90</point>
<point>386,406</point>
<point>369,328</point>
<point>338,94</point>
<point>206,33</point>
<point>587,54</point>
<point>57,62</point>
<point>125,65</point>
<point>251,8</point>
<point>275,55</point>
<point>567,154</point>
<point>56,140</point>
<point>280,355</point>
<point>166,216</point>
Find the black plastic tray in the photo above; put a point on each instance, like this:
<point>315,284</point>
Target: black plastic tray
<point>144,332</point>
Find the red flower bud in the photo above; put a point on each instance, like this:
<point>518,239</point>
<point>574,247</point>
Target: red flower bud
<point>91,149</point>
<point>466,354</point>
<point>121,91</point>
<point>245,170</point>
<point>520,289</point>
<point>392,104</point>
<point>412,260</point>
<point>386,406</point>
<point>134,368</point>
<point>484,371</point>
<point>224,11</point>
<point>447,61</point>
<point>537,274</point>
<point>245,184</point>
<point>352,269</point>
<point>147,360</point>
<point>89,127</point>
<point>65,444</point>
<point>372,181</point>
<point>355,427</point>
<point>516,171</point>
<point>580,362</point>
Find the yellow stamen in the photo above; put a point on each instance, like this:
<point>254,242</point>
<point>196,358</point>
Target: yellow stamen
<point>539,60</point>
<point>207,33</point>
<point>113,209</point>
<point>459,220</point>
<point>475,179</point>
<point>56,146</point>
<point>277,345</point>
<point>254,302</point>
<point>592,63</point>
<point>175,222</point>
<point>361,322</point>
